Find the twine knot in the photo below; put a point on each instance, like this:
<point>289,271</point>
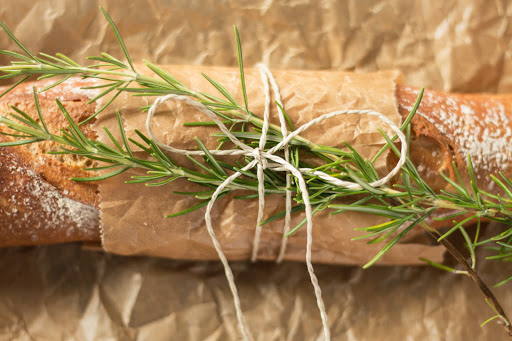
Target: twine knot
<point>257,153</point>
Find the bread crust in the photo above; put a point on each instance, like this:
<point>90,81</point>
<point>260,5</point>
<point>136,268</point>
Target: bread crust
<point>458,125</point>
<point>39,203</point>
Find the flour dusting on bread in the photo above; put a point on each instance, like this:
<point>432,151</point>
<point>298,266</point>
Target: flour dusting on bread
<point>477,128</point>
<point>29,201</point>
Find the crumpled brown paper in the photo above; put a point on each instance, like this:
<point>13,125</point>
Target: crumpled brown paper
<point>132,216</point>
<point>64,292</point>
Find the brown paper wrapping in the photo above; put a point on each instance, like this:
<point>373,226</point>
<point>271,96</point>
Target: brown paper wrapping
<point>132,216</point>
<point>66,293</point>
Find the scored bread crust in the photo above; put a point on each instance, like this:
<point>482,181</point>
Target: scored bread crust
<point>39,204</point>
<point>449,127</point>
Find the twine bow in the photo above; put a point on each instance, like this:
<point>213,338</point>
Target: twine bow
<point>267,159</point>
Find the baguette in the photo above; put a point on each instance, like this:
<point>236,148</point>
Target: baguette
<point>39,204</point>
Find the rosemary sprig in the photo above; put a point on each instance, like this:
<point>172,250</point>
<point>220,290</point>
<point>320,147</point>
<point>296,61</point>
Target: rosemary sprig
<point>408,204</point>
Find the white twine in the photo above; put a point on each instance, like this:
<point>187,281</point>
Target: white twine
<point>266,77</point>
<point>266,159</point>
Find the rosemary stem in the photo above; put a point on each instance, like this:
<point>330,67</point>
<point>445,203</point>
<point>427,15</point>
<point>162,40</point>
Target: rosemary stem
<point>146,79</point>
<point>473,275</point>
<point>492,212</point>
<point>139,78</point>
<point>49,69</point>
<point>239,113</point>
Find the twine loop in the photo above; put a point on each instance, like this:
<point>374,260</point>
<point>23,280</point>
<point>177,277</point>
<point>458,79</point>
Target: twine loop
<point>267,159</point>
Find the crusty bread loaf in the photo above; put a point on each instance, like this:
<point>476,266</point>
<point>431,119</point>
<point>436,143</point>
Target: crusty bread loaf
<point>39,204</point>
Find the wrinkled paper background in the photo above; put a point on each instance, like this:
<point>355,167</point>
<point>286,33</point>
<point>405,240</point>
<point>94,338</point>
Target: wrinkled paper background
<point>65,292</point>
